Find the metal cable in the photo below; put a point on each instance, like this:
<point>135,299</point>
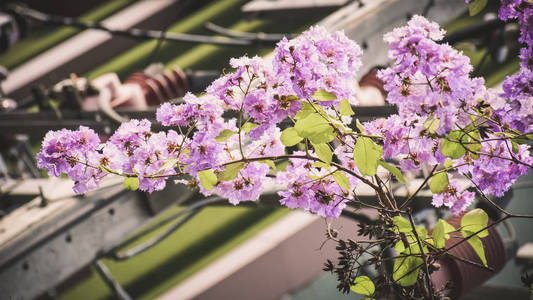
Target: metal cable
<point>190,212</point>
<point>137,32</point>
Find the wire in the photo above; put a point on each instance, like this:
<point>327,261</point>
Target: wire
<point>137,32</point>
<point>190,212</point>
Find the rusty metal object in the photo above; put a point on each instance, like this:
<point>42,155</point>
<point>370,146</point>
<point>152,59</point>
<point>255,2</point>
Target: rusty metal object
<point>161,87</point>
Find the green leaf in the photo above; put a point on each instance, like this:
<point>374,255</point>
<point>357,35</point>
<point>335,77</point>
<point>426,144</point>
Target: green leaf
<point>393,170</point>
<point>366,155</point>
<point>270,163</point>
<point>474,221</point>
<point>439,183</point>
<point>323,152</point>
<point>363,285</point>
<point>320,164</point>
<point>441,233</point>
<point>247,127</point>
<point>224,135</point>
<point>282,166</point>
<point>514,147</point>
<point>169,164</point>
<point>399,247</point>
<point>345,108</point>
<point>477,244</point>
<point>406,270</point>
<point>305,111</point>
<point>432,125</point>
<point>290,137</point>
<point>231,171</point>
<point>323,95</point>
<point>131,183</point>
<point>476,7</point>
<point>402,224</point>
<point>359,126</point>
<point>448,163</point>
<point>208,179</point>
<point>315,128</point>
<point>342,180</point>
<point>451,146</point>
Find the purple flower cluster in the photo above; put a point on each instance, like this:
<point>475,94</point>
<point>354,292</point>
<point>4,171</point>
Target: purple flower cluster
<point>317,60</point>
<point>313,189</point>
<point>429,83</point>
<point>454,198</point>
<point>428,78</point>
<point>498,168</point>
<point>73,153</point>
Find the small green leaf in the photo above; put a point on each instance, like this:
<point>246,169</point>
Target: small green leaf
<point>439,183</point>
<point>320,164</point>
<point>323,152</point>
<point>224,135</point>
<point>441,233</point>
<point>208,179</point>
<point>476,7</point>
<point>290,137</point>
<point>402,224</point>
<point>514,147</point>
<point>247,127</point>
<point>399,247</point>
<point>432,125</point>
<point>477,244</point>
<point>231,171</point>
<point>345,108</point>
<point>393,170</point>
<point>305,111</point>
<point>315,128</point>
<point>270,163</point>
<point>448,163</point>
<point>169,164</point>
<point>131,183</point>
<point>342,180</point>
<point>282,166</point>
<point>323,95</point>
<point>366,155</point>
<point>359,126</point>
<point>363,285</point>
<point>406,270</point>
<point>474,221</point>
<point>451,147</point>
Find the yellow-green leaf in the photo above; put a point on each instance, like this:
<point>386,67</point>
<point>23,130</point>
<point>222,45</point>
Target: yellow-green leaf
<point>208,179</point>
<point>315,128</point>
<point>405,270</point>
<point>224,135</point>
<point>393,170</point>
<point>270,163</point>
<point>323,152</point>
<point>323,95</point>
<point>231,171</point>
<point>131,183</point>
<point>477,244</point>
<point>363,285</point>
<point>441,233</point>
<point>432,125</point>
<point>402,224</point>
<point>290,137</point>
<point>366,155</point>
<point>169,164</point>
<point>342,180</point>
<point>476,7</point>
<point>474,221</point>
<point>247,127</point>
<point>439,183</point>
<point>345,108</point>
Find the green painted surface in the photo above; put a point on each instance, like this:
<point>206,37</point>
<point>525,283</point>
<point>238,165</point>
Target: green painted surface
<point>208,236</point>
<point>46,37</point>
